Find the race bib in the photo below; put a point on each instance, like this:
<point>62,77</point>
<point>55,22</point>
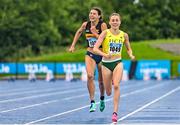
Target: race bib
<point>115,48</point>
<point>92,41</point>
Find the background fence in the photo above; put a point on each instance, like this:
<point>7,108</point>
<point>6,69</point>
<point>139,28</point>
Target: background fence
<point>142,69</point>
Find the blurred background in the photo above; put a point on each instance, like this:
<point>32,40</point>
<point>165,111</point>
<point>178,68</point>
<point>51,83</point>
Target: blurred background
<point>35,36</point>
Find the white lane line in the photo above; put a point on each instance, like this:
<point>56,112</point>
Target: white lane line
<point>57,115</point>
<point>43,103</point>
<point>14,90</point>
<point>124,95</point>
<point>150,103</point>
<point>33,91</point>
<point>63,113</point>
<point>140,90</point>
<point>42,95</point>
<point>78,96</point>
<point>150,124</point>
<point>30,90</point>
<point>29,106</point>
<point>107,100</point>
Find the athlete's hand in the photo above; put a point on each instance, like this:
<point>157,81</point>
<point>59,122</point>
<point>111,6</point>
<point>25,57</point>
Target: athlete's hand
<point>132,57</point>
<point>93,29</point>
<point>71,49</point>
<point>107,55</point>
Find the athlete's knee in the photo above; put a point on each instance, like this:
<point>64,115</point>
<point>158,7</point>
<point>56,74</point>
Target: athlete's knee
<point>101,85</point>
<point>116,87</point>
<point>108,93</point>
<point>100,81</point>
<point>90,77</point>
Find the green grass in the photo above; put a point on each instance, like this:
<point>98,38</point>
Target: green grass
<point>142,50</point>
<point>62,56</point>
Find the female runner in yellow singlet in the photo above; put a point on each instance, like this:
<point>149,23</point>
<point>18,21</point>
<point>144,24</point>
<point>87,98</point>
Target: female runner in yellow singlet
<point>112,41</point>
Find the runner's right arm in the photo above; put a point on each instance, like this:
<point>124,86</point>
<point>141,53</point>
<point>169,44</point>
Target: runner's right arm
<point>77,35</point>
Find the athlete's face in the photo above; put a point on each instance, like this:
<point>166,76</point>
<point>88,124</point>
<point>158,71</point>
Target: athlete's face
<point>115,22</point>
<point>93,16</point>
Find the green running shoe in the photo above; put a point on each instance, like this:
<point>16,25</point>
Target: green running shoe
<point>102,105</point>
<point>92,107</point>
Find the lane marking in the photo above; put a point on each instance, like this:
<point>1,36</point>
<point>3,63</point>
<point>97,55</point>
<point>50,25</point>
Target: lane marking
<point>13,90</point>
<point>29,106</point>
<point>34,91</point>
<point>74,97</point>
<point>28,92</point>
<point>150,103</point>
<point>150,124</point>
<point>42,95</point>
<point>107,100</point>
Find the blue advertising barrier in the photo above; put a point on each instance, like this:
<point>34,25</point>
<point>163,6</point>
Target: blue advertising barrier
<point>7,68</point>
<point>127,65</point>
<point>24,68</point>
<point>153,68</point>
<point>58,68</point>
<point>62,68</point>
<point>179,68</point>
